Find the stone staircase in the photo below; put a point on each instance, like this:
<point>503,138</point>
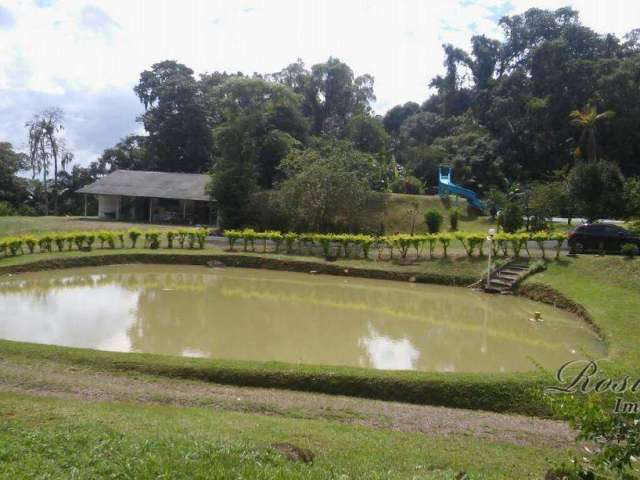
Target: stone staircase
<point>503,279</point>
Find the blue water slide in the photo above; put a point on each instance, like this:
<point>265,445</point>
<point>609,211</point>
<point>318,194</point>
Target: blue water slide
<point>447,187</point>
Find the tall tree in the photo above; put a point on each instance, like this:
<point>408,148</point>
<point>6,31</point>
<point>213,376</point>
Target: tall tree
<point>587,119</point>
<point>180,138</point>
<point>331,93</point>
<point>47,148</point>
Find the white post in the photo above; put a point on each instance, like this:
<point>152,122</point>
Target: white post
<point>492,232</point>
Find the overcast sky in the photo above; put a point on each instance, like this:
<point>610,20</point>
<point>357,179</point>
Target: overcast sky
<point>85,57</point>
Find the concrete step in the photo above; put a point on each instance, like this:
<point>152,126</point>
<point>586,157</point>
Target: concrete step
<point>510,275</point>
<point>512,271</point>
<point>502,282</point>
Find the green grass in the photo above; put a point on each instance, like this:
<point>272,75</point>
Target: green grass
<point>23,225</point>
<point>395,211</point>
<point>609,288</point>
<point>60,439</point>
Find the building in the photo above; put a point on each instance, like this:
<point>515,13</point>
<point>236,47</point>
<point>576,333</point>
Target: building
<point>156,197</point>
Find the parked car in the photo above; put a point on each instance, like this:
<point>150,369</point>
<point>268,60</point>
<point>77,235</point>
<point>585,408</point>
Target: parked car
<point>598,237</point>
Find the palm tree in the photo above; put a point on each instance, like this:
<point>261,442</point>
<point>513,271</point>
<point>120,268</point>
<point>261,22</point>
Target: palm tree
<point>587,120</point>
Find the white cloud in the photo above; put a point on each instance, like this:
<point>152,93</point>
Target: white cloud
<point>63,48</point>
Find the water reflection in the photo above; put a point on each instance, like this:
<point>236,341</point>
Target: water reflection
<point>261,315</point>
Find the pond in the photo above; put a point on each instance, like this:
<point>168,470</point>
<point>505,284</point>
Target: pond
<point>292,317</point>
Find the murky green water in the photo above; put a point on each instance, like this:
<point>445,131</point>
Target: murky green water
<point>263,315</point>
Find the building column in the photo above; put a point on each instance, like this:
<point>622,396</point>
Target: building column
<point>151,210</point>
<point>85,204</point>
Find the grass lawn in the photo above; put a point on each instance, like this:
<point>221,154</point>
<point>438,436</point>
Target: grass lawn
<point>53,438</point>
<point>23,225</point>
<point>609,288</point>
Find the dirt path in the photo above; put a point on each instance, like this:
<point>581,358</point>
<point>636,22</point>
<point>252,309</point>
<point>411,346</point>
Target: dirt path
<point>51,379</point>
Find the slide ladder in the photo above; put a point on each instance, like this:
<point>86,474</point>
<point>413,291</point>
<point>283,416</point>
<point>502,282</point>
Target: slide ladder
<point>447,187</point>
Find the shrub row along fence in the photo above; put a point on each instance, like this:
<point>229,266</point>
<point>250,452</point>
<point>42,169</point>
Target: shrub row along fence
<point>112,239</point>
<point>348,245</point>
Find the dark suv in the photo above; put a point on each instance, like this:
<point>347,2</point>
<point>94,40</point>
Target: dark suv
<point>599,237</point>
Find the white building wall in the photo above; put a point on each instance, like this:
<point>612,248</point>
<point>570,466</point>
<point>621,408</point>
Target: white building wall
<point>108,206</point>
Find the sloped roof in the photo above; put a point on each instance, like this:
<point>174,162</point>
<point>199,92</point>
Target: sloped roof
<point>133,183</point>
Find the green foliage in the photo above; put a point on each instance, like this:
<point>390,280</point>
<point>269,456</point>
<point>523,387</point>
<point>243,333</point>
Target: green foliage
<point>6,210</point>
<point>560,238</point>
<point>614,436</point>
<point>30,242</point>
<point>633,226</point>
<point>597,189</point>
<point>170,235</point>
<point>511,217</point>
<point>433,218</point>
<point>325,195</point>
<point>152,239</point>
<point>540,238</point>
<point>232,237</point>
<point>629,250</point>
<point>407,184</point>
<point>134,235</point>
<point>631,196</point>
<point>454,218</point>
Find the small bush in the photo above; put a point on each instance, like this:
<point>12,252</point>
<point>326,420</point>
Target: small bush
<point>6,210</point>
<point>433,218</point>
<point>409,184</point>
<point>511,218</point>
<point>629,250</point>
<point>454,219</point>
<point>134,235</point>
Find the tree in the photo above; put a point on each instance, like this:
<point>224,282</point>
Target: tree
<point>324,197</point>
<point>596,188</point>
<point>180,138</point>
<point>13,189</point>
<point>269,113</point>
<point>632,197</point>
<point>331,93</point>
<point>233,179</point>
<point>47,148</point>
<point>369,168</point>
<point>130,153</point>
<point>367,134</point>
<point>587,120</point>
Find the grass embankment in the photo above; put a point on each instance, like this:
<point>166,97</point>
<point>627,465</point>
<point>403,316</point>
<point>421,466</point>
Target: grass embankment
<point>74,439</point>
<point>608,287</point>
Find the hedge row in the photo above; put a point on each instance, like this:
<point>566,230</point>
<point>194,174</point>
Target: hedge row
<point>348,245</point>
<point>86,240</point>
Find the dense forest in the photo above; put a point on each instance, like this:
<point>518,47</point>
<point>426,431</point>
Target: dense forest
<point>510,115</point>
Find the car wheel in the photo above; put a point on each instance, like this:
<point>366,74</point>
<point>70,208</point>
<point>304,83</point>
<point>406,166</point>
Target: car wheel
<point>577,248</point>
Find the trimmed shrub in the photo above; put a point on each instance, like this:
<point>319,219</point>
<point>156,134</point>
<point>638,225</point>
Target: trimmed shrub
<point>232,237</point>
<point>290,240</point>
<point>134,235</point>
<point>31,243</point>
<point>433,218</point>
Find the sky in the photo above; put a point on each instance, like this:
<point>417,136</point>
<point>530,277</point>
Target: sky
<point>86,56</point>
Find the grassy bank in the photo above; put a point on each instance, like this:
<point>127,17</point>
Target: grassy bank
<point>608,287</point>
<point>66,438</point>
